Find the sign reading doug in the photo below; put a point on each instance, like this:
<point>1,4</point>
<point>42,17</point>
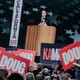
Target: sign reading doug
<point>69,55</point>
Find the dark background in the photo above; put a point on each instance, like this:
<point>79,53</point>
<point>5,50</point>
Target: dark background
<point>63,14</point>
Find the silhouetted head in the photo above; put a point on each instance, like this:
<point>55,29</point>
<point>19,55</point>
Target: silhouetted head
<point>29,76</point>
<point>4,72</point>
<point>45,72</point>
<point>40,66</point>
<point>47,78</point>
<point>15,76</point>
<point>2,77</point>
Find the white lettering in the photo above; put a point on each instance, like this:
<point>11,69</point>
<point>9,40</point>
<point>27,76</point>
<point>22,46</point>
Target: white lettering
<point>14,64</point>
<point>22,68</point>
<point>10,63</point>
<point>55,54</point>
<point>3,61</point>
<point>28,56</point>
<point>71,55</point>
<point>65,58</point>
<point>78,52</point>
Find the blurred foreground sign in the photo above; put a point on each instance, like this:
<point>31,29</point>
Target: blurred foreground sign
<point>2,49</point>
<point>13,63</point>
<point>69,55</point>
<point>27,54</point>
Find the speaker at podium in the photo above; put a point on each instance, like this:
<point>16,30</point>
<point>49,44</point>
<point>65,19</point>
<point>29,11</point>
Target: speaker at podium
<point>37,34</point>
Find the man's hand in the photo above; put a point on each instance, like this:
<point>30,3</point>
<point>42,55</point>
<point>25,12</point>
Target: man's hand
<point>55,75</point>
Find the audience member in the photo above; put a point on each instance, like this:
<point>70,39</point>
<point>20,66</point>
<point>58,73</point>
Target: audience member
<point>47,78</point>
<point>4,73</point>
<point>55,72</point>
<point>30,69</point>
<point>29,76</point>
<point>15,76</point>
<point>2,77</point>
<point>43,72</point>
<point>40,66</point>
<point>39,77</point>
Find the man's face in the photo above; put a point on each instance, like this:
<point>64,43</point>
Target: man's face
<point>43,14</point>
<point>30,68</point>
<point>56,66</point>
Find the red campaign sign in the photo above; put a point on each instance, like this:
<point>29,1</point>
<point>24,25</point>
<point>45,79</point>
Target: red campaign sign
<point>13,63</point>
<point>2,49</point>
<point>69,55</point>
<point>27,54</point>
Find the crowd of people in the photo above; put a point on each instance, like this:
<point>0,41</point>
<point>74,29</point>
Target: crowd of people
<point>38,71</point>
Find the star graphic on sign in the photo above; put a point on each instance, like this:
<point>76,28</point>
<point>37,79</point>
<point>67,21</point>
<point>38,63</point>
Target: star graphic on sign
<point>43,6</point>
<point>4,20</point>
<point>76,1</point>
<point>53,19</point>
<point>1,4</point>
<point>78,8</point>
<point>69,32</point>
<point>6,25</point>
<point>75,26</point>
<point>72,3</point>
<point>9,2</point>
<point>26,12</point>
<point>35,9</point>
<point>75,37</point>
<point>59,21</point>
<point>71,14</point>
<point>65,17</point>
<point>1,11</point>
<point>50,13</point>
<point>68,5</point>
<point>10,8</point>
<point>6,31</point>
<point>75,11</point>
<point>61,38</point>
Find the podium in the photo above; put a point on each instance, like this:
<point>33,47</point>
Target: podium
<point>37,34</point>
